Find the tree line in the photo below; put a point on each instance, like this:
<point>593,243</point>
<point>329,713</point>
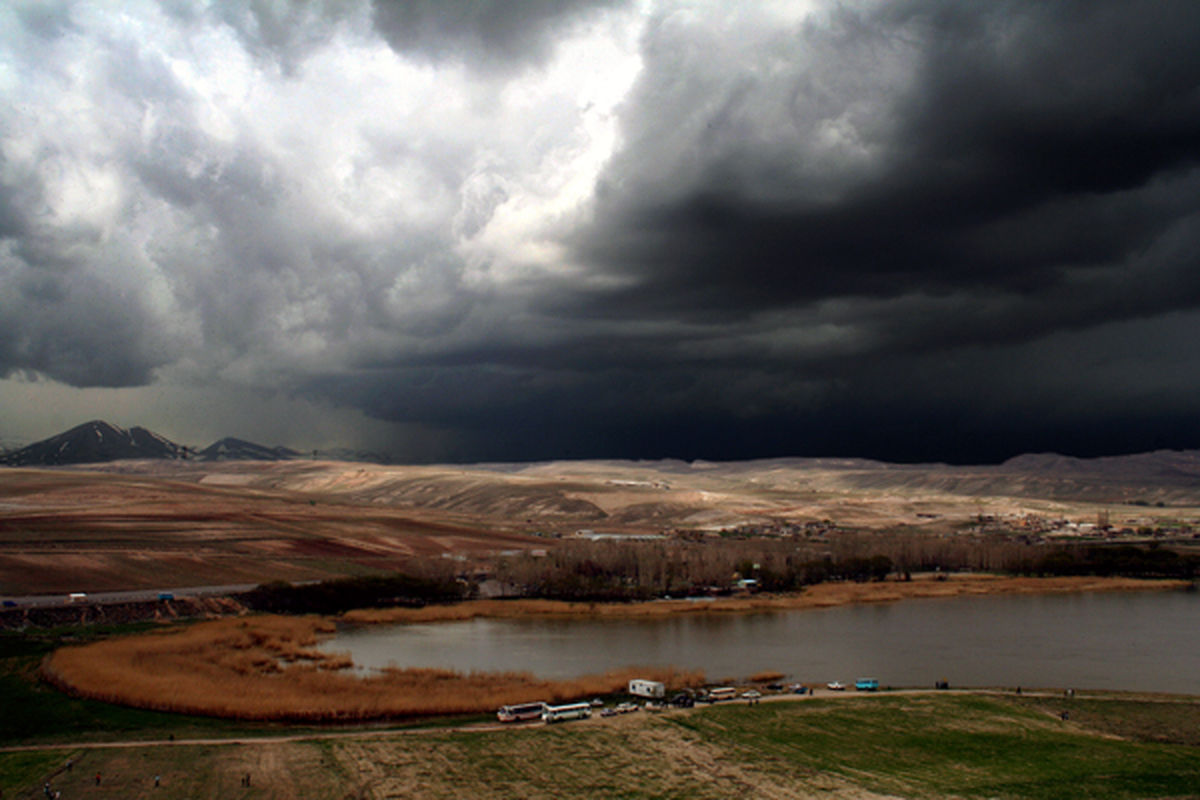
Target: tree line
<point>615,571</point>
<point>336,596</point>
<point>1125,561</point>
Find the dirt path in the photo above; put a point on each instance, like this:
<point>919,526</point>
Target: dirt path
<point>485,727</point>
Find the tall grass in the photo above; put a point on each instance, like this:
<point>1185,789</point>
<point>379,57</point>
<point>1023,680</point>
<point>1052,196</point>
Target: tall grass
<point>265,668</point>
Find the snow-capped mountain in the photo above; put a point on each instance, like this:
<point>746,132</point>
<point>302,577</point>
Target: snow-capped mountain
<point>231,449</point>
<point>93,442</point>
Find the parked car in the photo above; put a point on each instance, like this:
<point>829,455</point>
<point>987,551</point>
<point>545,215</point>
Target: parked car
<point>835,686</point>
<point>683,700</point>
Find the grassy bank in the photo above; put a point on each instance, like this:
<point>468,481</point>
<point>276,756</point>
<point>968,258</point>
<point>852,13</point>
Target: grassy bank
<point>933,746</point>
<point>32,711</point>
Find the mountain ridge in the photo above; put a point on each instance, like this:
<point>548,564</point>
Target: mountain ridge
<point>99,441</point>
<point>93,442</point>
<point>231,448</point>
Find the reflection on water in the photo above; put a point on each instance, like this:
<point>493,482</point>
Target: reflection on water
<point>1136,640</point>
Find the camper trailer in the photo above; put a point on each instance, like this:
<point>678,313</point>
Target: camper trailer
<point>653,690</point>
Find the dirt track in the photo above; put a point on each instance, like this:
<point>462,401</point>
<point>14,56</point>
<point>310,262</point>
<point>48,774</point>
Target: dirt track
<point>481,727</point>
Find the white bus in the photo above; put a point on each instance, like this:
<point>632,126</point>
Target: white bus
<point>521,712</point>
<point>721,693</point>
<point>569,711</point>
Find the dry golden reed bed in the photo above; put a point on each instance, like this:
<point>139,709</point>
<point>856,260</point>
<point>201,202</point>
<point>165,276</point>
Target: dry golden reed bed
<point>823,595</point>
<point>264,668</point>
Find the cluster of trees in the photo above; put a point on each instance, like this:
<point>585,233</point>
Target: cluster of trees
<point>1126,561</point>
<point>608,571</point>
<point>605,571</point>
<point>336,596</point>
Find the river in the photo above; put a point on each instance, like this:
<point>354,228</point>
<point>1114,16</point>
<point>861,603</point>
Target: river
<point>1144,641</point>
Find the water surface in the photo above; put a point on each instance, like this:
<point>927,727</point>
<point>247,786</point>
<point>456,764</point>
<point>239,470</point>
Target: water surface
<point>1146,641</point>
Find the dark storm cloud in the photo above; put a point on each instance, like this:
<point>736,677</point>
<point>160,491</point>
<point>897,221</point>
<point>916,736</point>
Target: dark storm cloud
<point>14,201</point>
<point>42,330</point>
<point>865,230</point>
<point>924,229</point>
<point>489,33</point>
<point>72,299</point>
<point>1042,152</point>
<point>47,20</point>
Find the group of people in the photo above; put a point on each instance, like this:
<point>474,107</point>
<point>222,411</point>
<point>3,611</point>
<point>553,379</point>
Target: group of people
<point>54,794</point>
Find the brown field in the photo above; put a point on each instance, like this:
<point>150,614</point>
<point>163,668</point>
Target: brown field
<point>74,530</point>
<point>265,668</point>
<point>151,524</point>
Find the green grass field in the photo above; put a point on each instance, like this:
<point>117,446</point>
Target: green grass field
<point>965,746</point>
<point>919,746</point>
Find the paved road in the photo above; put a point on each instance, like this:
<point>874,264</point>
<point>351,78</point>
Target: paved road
<point>132,596</point>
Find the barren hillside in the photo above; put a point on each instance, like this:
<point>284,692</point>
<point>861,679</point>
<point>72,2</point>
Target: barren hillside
<point>150,523</point>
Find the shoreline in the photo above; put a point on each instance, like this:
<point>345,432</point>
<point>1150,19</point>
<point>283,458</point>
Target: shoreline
<point>268,667</point>
<point>822,595</point>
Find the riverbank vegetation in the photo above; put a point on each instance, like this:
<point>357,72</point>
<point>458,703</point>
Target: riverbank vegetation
<point>1126,560</point>
<point>33,711</point>
<point>608,571</point>
<point>825,595</point>
<point>267,668</point>
<point>611,571</point>
<point>372,591</point>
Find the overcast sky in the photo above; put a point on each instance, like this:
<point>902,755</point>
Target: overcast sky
<point>503,230</point>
